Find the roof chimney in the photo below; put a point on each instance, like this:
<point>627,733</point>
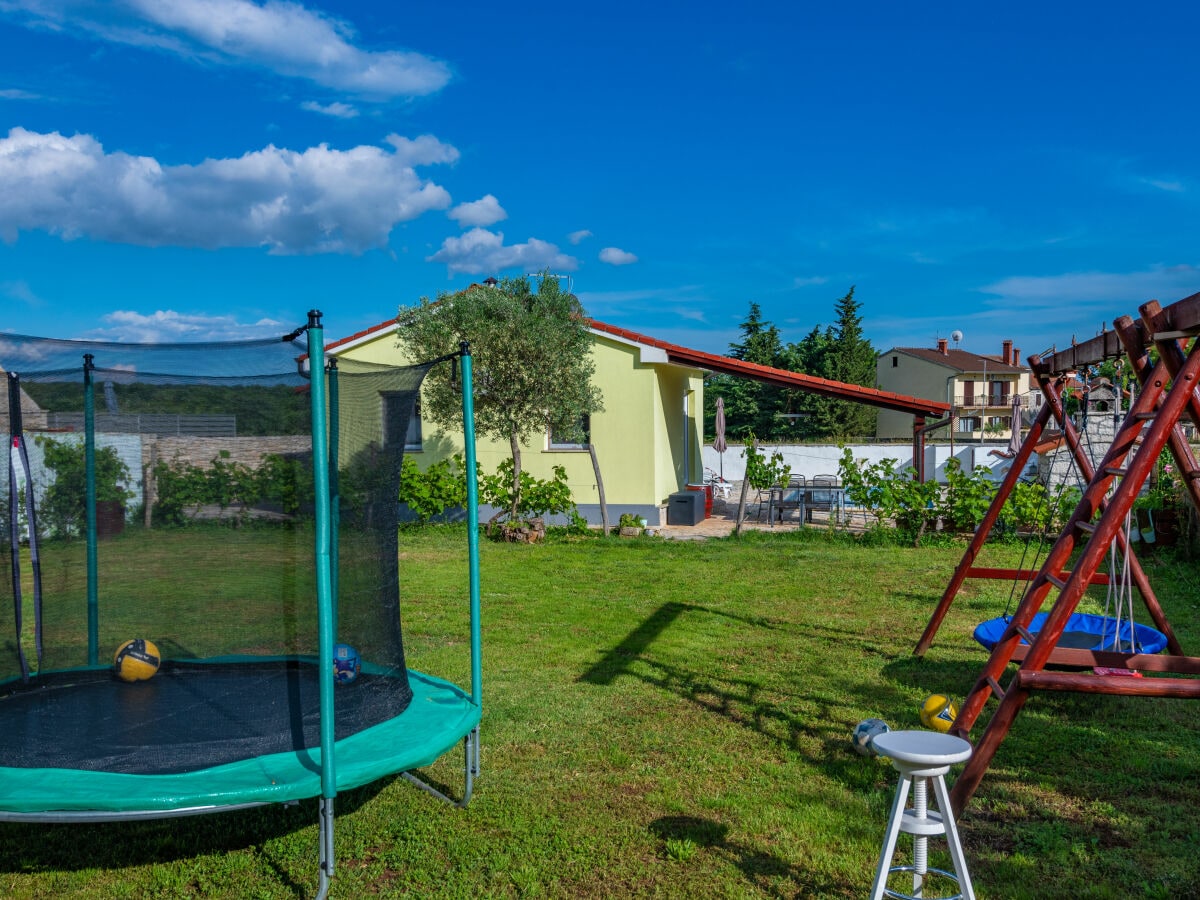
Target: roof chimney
<point>1006,352</point>
<point>942,347</point>
<point>1016,358</point>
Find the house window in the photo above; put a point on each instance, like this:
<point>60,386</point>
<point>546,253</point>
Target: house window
<point>998,393</point>
<point>895,361</point>
<point>395,410</point>
<point>572,442</point>
<point>967,424</point>
<point>968,393</point>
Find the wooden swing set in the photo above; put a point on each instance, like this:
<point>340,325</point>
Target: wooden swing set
<point>1168,394</point>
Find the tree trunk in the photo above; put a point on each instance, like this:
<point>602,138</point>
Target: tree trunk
<point>515,444</point>
<point>741,512</point>
<point>599,488</point>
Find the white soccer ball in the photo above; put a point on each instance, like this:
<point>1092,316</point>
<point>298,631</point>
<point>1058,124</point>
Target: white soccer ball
<point>865,732</point>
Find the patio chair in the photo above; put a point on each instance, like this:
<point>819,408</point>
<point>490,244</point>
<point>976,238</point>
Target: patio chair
<point>720,487</point>
<point>822,495</point>
<point>792,496</point>
<point>768,501</point>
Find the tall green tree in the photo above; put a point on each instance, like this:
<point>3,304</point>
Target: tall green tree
<point>751,407</point>
<point>532,361</point>
<point>849,358</point>
<point>808,356</point>
<point>839,352</point>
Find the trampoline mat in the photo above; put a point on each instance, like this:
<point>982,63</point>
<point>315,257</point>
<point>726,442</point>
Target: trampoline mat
<point>189,716</point>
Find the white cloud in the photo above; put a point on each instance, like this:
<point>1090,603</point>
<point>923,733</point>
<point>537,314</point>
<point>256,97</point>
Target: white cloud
<point>338,110</point>
<point>17,94</point>
<point>318,200</point>
<point>615,256</point>
<point>1172,186</point>
<point>484,211</point>
<point>688,296</point>
<point>166,325</point>
<point>425,150</point>
<point>1040,311</point>
<point>575,237</point>
<point>480,250</point>
<point>282,36</point>
<point>21,292</point>
<point>1165,283</point>
<point>810,281</point>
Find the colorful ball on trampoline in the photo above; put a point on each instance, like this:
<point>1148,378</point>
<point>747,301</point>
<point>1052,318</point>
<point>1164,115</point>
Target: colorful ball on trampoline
<point>938,712</point>
<point>865,732</point>
<point>346,664</point>
<point>136,660</point>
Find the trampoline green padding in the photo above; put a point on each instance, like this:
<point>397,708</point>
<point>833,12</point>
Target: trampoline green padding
<point>116,769</point>
<point>234,506</point>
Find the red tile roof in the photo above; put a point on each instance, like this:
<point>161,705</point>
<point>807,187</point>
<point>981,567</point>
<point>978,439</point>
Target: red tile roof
<point>782,377</point>
<point>961,360</point>
<point>729,366</point>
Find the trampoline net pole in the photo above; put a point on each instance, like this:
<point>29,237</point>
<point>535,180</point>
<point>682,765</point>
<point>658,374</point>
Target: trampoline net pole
<point>334,498</point>
<point>472,522</point>
<point>89,456</point>
<point>321,532</point>
<point>325,837</point>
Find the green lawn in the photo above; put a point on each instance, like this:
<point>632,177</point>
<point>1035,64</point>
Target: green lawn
<point>671,719</point>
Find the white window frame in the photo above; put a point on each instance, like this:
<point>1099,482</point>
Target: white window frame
<point>414,420</point>
<point>554,446</point>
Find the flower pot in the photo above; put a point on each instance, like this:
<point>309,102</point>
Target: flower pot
<point>110,518</point>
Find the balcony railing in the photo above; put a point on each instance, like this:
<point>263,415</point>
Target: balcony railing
<point>995,401</point>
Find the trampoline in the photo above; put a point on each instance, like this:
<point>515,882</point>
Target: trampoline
<point>253,551</point>
<point>1083,631</point>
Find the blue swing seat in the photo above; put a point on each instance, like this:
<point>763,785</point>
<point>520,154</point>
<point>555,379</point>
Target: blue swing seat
<point>1084,631</point>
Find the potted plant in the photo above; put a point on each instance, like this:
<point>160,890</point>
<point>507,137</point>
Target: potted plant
<point>64,508</point>
<point>630,525</point>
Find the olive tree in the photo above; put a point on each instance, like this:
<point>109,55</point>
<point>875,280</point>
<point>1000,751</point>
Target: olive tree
<point>532,361</point>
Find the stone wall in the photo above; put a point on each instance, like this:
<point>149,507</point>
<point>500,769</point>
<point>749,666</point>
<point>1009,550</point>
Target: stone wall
<point>200,452</point>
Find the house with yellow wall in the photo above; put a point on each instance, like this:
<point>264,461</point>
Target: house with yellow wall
<point>647,438</point>
<point>979,387</point>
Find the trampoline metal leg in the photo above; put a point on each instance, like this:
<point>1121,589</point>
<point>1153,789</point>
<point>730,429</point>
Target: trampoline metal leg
<point>470,771</point>
<point>325,839</point>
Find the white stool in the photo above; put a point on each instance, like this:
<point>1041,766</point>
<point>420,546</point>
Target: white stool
<point>921,757</point>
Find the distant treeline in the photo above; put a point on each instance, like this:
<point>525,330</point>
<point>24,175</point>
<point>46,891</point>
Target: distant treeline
<point>259,410</point>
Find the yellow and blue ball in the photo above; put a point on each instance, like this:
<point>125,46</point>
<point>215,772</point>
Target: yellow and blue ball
<point>136,660</point>
<point>346,663</point>
<point>938,712</point>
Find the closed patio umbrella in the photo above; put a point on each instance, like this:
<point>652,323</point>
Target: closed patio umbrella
<point>1014,442</point>
<point>719,433</point>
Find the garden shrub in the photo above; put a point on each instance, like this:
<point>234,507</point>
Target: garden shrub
<point>442,486</point>
<point>64,507</point>
<point>181,486</point>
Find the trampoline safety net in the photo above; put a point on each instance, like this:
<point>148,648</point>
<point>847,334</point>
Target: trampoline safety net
<point>202,543</point>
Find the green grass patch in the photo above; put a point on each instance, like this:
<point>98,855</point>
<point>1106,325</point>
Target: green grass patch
<point>672,719</point>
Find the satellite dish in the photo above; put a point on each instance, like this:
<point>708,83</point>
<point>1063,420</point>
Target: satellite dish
<point>956,336</point>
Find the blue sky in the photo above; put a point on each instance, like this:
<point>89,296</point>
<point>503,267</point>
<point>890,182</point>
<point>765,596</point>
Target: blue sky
<point>178,169</point>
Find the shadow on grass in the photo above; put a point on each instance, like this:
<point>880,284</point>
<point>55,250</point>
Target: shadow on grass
<point>811,722</point>
<point>616,661</point>
<point>115,845</point>
<point>692,833</point>
<point>952,677</point>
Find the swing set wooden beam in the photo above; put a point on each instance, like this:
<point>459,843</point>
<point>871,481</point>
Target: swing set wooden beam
<point>1169,391</point>
<point>1051,387</point>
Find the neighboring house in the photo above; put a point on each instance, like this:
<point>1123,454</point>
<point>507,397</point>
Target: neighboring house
<point>647,438</point>
<point>979,387</point>
<point>32,415</point>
